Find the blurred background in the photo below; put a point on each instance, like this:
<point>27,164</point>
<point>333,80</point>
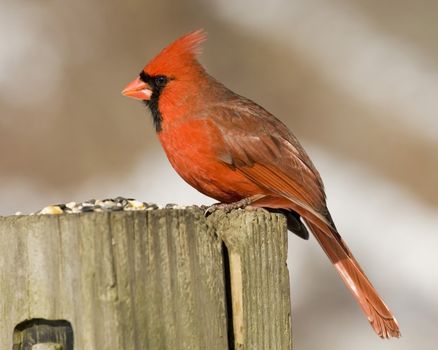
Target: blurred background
<point>357,82</point>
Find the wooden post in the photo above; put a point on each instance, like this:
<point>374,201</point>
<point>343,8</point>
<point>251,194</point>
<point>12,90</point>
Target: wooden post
<point>156,279</point>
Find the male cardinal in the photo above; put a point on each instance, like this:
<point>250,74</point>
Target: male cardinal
<point>231,149</point>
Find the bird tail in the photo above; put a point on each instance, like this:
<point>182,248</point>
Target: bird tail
<point>380,317</point>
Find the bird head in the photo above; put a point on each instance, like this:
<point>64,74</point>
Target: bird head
<point>175,63</point>
<point>170,78</point>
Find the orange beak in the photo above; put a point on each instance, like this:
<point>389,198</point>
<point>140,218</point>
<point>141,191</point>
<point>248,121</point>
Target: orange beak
<point>138,89</point>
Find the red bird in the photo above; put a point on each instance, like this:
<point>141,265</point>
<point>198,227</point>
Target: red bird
<point>231,149</point>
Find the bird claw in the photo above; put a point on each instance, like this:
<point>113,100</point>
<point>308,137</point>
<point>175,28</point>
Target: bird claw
<point>219,206</point>
<point>244,203</point>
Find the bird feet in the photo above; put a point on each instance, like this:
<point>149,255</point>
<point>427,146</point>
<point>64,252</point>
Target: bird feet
<point>227,207</point>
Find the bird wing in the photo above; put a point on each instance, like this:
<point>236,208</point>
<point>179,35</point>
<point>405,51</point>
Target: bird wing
<point>260,147</point>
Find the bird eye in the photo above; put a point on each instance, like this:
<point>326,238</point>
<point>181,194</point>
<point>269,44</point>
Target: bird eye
<point>160,80</point>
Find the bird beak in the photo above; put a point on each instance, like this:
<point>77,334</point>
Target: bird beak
<point>138,89</point>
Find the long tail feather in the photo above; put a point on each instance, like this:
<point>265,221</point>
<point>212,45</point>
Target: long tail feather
<point>380,317</point>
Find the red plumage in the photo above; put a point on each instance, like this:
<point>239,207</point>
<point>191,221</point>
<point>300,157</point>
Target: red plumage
<point>231,149</point>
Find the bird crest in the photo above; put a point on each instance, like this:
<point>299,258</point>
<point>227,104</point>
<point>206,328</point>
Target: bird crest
<point>179,56</point>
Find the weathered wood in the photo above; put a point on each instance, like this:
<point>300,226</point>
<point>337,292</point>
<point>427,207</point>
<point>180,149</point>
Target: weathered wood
<point>257,251</point>
<point>157,279</point>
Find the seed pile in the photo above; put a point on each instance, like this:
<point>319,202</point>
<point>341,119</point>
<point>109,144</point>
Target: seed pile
<point>100,205</point>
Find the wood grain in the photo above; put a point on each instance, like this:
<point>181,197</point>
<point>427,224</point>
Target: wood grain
<point>148,280</point>
<point>257,248</point>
